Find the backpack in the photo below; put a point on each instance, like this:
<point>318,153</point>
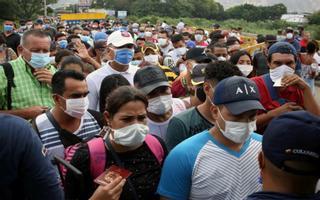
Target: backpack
<point>98,154</point>
<point>9,73</point>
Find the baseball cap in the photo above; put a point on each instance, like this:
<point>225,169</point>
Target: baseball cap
<point>197,54</point>
<point>239,94</point>
<point>100,36</point>
<point>198,74</point>
<point>282,47</point>
<point>294,137</point>
<point>120,38</point>
<point>149,78</point>
<point>271,38</point>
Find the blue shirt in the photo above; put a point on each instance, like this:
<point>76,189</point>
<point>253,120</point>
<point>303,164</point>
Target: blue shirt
<point>24,170</point>
<point>202,168</point>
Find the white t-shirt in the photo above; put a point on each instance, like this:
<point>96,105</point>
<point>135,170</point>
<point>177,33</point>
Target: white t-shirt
<point>165,51</point>
<point>95,79</point>
<point>160,128</point>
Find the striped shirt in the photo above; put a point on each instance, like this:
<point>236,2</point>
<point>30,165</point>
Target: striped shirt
<point>202,168</point>
<point>50,136</point>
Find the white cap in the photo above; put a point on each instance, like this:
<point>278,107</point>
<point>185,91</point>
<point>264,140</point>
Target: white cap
<point>119,38</point>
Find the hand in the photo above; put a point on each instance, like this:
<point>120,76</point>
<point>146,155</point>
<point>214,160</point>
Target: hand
<point>287,107</point>
<point>294,79</point>
<point>82,51</point>
<point>34,111</point>
<point>109,191</point>
<point>43,75</point>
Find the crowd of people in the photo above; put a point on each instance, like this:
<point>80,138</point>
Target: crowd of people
<point>107,110</point>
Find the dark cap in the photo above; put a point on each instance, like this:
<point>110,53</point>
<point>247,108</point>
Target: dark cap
<point>289,29</point>
<point>238,94</point>
<point>149,78</point>
<point>197,54</point>
<point>282,47</point>
<point>271,38</point>
<point>294,136</point>
<point>198,74</point>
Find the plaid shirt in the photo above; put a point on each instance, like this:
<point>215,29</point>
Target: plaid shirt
<point>28,91</point>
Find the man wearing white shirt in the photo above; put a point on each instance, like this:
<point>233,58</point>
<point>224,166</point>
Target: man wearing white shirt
<point>120,49</point>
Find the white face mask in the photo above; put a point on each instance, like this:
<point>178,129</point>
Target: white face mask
<point>148,34</point>
<point>152,59</point>
<point>131,136</point>
<point>198,37</point>
<point>162,42</point>
<point>277,73</point>
<point>160,105</point>
<point>181,51</point>
<point>238,132</point>
<point>221,58</point>
<point>289,36</point>
<point>245,69</point>
<point>77,107</point>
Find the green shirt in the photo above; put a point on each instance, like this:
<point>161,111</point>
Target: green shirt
<point>185,125</point>
<point>28,91</point>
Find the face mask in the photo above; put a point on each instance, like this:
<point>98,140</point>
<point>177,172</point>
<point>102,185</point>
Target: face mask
<point>162,42</point>
<point>63,44</point>
<point>289,36</point>
<point>148,34</point>
<point>77,107</point>
<point>198,37</point>
<point>7,28</point>
<point>181,51</point>
<point>238,132</point>
<point>152,59</point>
<point>131,136</point>
<point>135,30</point>
<point>123,56</point>
<point>278,72</point>
<point>39,60</point>
<point>160,105</point>
<point>29,27</point>
<point>85,38</point>
<point>136,62</point>
<point>245,69</point>
<point>221,58</point>
<point>141,35</point>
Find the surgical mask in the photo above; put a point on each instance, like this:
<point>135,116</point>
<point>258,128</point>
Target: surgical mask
<point>181,51</point>
<point>289,36</point>
<point>123,56</point>
<point>29,27</point>
<point>148,34</point>
<point>198,37</point>
<point>136,62</point>
<point>39,60</point>
<point>152,59</point>
<point>135,30</point>
<point>245,69</point>
<point>141,35</point>
<point>238,132</point>
<point>221,58</point>
<point>278,72</point>
<point>162,42</point>
<point>85,38</point>
<point>160,105</point>
<point>7,28</point>
<point>63,44</point>
<point>77,107</point>
<point>131,136</point>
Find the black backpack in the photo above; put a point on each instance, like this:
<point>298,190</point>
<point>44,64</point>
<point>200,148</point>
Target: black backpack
<point>8,71</point>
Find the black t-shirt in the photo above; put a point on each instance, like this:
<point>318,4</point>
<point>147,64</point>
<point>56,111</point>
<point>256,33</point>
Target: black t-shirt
<point>280,196</point>
<point>141,162</point>
<point>13,41</point>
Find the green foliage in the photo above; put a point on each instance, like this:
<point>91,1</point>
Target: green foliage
<point>314,18</point>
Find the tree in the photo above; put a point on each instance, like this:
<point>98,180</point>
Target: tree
<point>314,18</point>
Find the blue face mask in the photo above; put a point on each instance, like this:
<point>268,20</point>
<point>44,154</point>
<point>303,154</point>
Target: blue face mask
<point>63,44</point>
<point>85,38</point>
<point>136,62</point>
<point>123,56</point>
<point>7,28</point>
<point>39,60</point>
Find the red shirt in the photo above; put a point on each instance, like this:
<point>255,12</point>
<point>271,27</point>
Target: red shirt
<point>271,98</point>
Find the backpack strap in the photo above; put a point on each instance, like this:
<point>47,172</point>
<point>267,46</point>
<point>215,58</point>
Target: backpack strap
<point>8,71</point>
<point>272,91</point>
<point>98,117</point>
<point>156,148</point>
<point>98,158</point>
